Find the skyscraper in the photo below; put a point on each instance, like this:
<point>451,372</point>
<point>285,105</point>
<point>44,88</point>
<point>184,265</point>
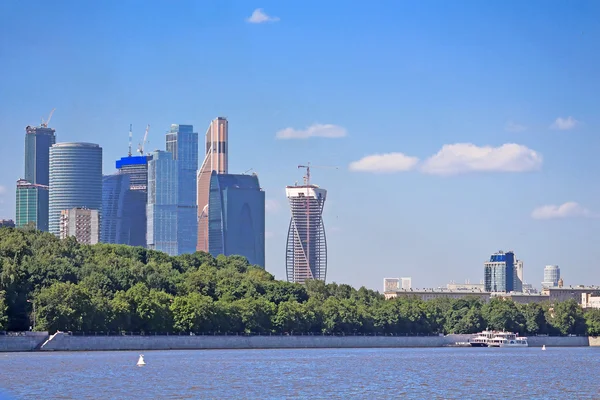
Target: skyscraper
<point>306,250</point>
<point>551,276</point>
<point>32,191</point>
<point>215,159</point>
<point>500,273</point>
<point>32,205</point>
<point>182,143</point>
<point>161,210</point>
<point>75,179</point>
<point>136,168</point>
<point>236,217</point>
<point>115,221</point>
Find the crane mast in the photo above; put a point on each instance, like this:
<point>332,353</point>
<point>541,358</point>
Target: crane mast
<point>141,146</point>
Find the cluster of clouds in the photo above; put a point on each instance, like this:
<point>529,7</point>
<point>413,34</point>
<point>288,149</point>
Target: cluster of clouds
<point>260,17</point>
<point>455,159</point>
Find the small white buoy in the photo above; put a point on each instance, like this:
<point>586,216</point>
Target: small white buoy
<point>543,347</point>
<point>141,362</point>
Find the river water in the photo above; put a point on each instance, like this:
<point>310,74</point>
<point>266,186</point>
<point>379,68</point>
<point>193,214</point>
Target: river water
<point>439,373</point>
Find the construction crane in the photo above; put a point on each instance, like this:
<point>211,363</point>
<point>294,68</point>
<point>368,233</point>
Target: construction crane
<point>45,124</point>
<point>141,145</point>
<point>130,139</point>
<point>307,204</point>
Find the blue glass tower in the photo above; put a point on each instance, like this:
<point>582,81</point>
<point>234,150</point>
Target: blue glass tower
<point>500,273</point>
<point>136,168</point>
<point>236,217</point>
<point>161,210</point>
<point>75,179</point>
<point>115,224</point>
<point>182,143</point>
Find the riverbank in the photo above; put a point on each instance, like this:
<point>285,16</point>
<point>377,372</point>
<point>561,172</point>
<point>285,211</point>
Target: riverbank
<point>40,341</point>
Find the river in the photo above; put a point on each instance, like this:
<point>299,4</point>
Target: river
<point>434,373</point>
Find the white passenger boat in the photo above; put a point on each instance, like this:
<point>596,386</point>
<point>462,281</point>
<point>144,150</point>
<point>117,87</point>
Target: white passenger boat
<point>489,338</point>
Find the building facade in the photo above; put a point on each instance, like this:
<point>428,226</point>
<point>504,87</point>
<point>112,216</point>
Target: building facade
<point>500,272</point>
<point>7,223</point>
<point>182,143</point>
<point>215,159</point>
<point>431,294</point>
<point>551,276</point>
<point>306,249</point>
<point>32,205</point>
<point>236,219</point>
<point>75,180</point>
<point>391,284</point>
<point>519,278</point>
<point>136,168</point>
<point>115,222</point>
<point>161,210</point>
<point>32,201</point>
<point>82,223</point>
<point>406,283</point>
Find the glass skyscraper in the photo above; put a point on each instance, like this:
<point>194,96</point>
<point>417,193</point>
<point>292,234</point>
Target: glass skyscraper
<point>161,210</point>
<point>236,217</point>
<point>32,191</point>
<point>182,143</point>
<point>75,180</point>
<point>500,273</point>
<point>115,222</point>
<point>136,168</point>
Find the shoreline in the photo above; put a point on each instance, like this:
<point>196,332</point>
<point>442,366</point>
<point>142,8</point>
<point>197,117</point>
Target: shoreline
<point>42,342</point>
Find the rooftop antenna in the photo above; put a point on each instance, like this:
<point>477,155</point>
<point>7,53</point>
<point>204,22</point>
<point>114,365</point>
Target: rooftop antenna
<point>130,139</point>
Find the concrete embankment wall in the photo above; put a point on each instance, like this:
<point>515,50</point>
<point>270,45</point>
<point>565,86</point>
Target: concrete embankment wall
<point>64,342</point>
<point>22,343</point>
<point>558,341</point>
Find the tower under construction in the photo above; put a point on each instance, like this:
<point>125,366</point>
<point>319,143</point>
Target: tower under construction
<point>306,249</point>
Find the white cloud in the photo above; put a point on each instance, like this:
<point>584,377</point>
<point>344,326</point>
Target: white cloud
<point>2,189</point>
<point>272,205</point>
<point>514,127</point>
<point>389,162</point>
<point>259,17</point>
<point>315,130</point>
<point>564,124</point>
<point>569,209</point>
<point>466,157</point>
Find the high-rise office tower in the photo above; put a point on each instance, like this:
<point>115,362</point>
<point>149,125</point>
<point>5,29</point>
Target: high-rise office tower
<point>215,159</point>
<point>236,217</point>
<point>161,210</point>
<point>32,205</point>
<point>519,279</point>
<point>500,273</point>
<point>551,276</point>
<point>32,191</point>
<point>81,223</point>
<point>75,179</point>
<point>182,143</point>
<point>306,251</point>
<point>136,168</point>
<point>115,221</point>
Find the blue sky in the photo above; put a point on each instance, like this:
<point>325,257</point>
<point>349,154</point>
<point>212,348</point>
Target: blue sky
<point>459,128</point>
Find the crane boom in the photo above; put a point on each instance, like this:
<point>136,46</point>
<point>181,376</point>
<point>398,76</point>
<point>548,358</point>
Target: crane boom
<point>45,124</point>
<point>130,137</point>
<point>141,146</point>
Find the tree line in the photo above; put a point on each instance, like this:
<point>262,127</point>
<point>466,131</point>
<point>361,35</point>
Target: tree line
<point>117,288</point>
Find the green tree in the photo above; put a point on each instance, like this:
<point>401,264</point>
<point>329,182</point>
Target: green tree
<point>3,312</point>
<point>65,307</point>
<point>567,318</point>
<point>501,314</point>
<point>193,313</point>
<point>592,320</point>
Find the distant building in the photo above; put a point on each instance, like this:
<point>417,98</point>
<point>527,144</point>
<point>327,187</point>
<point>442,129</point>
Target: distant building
<point>528,288</point>
<point>465,286</point>
<point>115,221</point>
<point>557,294</point>
<point>215,159</point>
<point>75,180</point>
<point>32,205</point>
<point>519,278</point>
<point>182,143</point>
<point>431,294</point>
<point>7,223</point>
<point>236,217</point>
<point>551,276</point>
<point>406,283</point>
<point>32,201</point>
<point>161,209</point>
<point>590,300</point>
<point>81,223</point>
<point>306,249</point>
<point>391,284</point>
<point>523,298</point>
<point>500,273</point>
